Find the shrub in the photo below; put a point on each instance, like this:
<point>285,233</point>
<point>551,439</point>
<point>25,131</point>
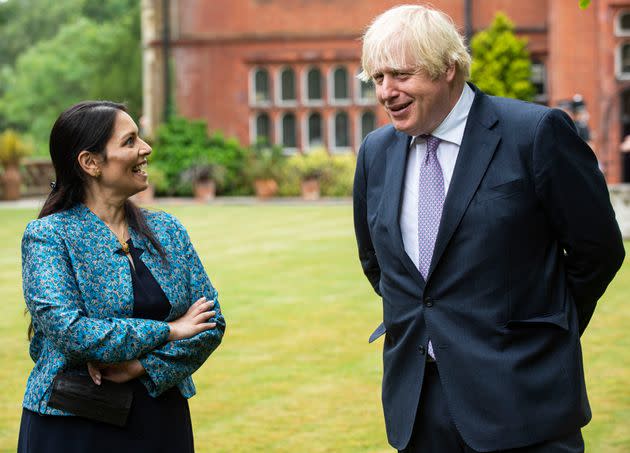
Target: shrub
<point>264,162</point>
<point>183,151</point>
<point>335,173</point>
<point>13,148</point>
<point>338,182</point>
<point>500,61</point>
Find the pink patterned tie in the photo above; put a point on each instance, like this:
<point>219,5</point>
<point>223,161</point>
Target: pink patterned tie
<point>430,202</point>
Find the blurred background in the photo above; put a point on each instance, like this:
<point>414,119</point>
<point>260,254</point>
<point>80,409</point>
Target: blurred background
<point>255,116</point>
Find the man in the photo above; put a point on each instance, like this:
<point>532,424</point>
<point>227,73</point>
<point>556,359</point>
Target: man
<point>486,227</point>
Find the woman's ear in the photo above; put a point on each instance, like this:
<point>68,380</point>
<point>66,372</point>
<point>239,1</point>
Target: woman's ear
<point>89,164</point>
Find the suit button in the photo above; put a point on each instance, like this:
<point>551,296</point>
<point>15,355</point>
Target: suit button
<point>428,302</point>
<point>422,349</point>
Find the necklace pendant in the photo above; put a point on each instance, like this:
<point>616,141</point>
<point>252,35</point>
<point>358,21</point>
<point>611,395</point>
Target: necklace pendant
<point>125,247</point>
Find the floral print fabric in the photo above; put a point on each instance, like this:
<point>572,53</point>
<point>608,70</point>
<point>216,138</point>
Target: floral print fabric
<point>78,291</point>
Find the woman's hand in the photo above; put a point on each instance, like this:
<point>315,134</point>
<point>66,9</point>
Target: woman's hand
<point>116,372</point>
<point>194,321</point>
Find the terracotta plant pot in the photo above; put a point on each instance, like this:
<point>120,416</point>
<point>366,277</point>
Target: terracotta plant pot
<point>310,189</point>
<point>205,190</point>
<point>265,188</point>
<point>11,182</point>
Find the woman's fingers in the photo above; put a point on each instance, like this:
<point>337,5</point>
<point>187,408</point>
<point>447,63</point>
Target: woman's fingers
<point>205,326</point>
<point>95,373</point>
<point>204,316</point>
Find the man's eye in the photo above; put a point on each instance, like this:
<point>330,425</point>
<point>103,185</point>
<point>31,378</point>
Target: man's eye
<point>378,78</point>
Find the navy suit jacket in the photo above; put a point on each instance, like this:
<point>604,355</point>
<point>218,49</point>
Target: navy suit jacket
<point>527,244</point>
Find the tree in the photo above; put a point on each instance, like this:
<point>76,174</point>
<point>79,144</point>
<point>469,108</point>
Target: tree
<point>24,23</point>
<point>85,60</point>
<point>500,61</point>
<point>55,54</point>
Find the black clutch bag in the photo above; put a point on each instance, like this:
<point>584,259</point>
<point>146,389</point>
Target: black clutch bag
<point>79,395</point>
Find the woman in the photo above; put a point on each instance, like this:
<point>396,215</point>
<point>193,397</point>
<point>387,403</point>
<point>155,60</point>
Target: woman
<point>113,291</point>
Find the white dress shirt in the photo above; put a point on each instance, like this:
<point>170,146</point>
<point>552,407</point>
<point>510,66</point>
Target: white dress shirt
<point>450,132</point>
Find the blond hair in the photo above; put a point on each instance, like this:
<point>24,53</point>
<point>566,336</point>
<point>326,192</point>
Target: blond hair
<point>414,37</point>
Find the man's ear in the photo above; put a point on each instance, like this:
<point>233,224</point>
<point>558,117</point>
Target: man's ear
<point>89,163</point>
<point>451,71</point>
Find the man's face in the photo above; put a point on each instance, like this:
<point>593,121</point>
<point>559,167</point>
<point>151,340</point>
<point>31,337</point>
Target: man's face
<point>415,103</point>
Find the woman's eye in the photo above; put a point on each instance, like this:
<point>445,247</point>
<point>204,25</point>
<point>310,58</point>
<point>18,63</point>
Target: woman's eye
<point>130,141</point>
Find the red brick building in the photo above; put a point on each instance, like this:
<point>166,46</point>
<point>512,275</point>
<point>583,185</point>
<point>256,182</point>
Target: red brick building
<point>285,69</point>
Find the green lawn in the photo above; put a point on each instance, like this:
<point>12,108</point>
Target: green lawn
<point>295,372</point>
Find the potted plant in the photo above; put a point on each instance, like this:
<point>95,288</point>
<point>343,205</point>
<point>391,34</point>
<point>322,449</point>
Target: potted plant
<point>12,149</point>
<point>311,168</point>
<point>205,179</point>
<point>264,167</point>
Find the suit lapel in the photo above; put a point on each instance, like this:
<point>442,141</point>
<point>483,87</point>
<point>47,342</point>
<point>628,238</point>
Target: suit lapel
<point>394,182</point>
<point>478,147</point>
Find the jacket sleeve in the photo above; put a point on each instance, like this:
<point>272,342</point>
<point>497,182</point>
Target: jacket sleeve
<point>575,197</point>
<point>367,255</point>
<point>55,303</point>
<point>169,364</point>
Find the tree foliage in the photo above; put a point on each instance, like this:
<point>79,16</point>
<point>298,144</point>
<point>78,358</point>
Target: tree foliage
<point>500,61</point>
<point>53,54</point>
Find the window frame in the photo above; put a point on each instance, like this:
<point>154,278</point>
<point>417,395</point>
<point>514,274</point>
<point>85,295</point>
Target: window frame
<point>358,99</point>
<point>253,101</point>
<point>618,30</point>
<point>332,133</point>
<point>305,99</point>
<point>253,127</point>
<point>618,65</point>
<point>287,150</point>
<point>359,128</point>
<point>278,86</point>
<point>306,130</point>
<point>331,86</point>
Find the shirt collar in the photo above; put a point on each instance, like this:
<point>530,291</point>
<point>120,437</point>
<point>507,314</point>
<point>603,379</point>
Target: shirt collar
<point>452,128</point>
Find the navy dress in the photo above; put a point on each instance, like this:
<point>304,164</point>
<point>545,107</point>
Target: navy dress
<point>159,424</point>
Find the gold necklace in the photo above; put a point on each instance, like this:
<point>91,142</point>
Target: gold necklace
<point>123,244</point>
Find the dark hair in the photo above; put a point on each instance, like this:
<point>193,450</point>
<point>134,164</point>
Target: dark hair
<point>87,126</point>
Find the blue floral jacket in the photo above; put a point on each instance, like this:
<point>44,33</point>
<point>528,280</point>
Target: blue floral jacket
<point>79,294</point>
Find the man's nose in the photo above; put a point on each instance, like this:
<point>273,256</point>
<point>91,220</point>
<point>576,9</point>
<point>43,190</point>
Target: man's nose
<point>389,87</point>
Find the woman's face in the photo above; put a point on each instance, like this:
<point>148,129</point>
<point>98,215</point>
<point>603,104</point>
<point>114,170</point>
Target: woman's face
<point>123,172</point>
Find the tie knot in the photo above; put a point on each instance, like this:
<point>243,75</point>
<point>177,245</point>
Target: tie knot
<point>432,142</point>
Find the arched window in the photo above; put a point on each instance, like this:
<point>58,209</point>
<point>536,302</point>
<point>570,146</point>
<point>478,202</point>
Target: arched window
<point>314,90</point>
<point>368,123</point>
<point>287,85</point>
<point>342,130</point>
<point>289,132</point>
<point>366,91</point>
<point>623,61</point>
<point>539,80</point>
<point>622,27</point>
<point>262,92</point>
<point>341,87</point>
<point>262,128</point>
<point>315,133</point>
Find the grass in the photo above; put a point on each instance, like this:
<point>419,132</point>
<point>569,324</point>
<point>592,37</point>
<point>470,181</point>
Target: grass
<point>295,372</point>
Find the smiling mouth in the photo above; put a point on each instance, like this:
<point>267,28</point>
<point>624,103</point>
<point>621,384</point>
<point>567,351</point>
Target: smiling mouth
<point>140,169</point>
<point>399,107</point>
